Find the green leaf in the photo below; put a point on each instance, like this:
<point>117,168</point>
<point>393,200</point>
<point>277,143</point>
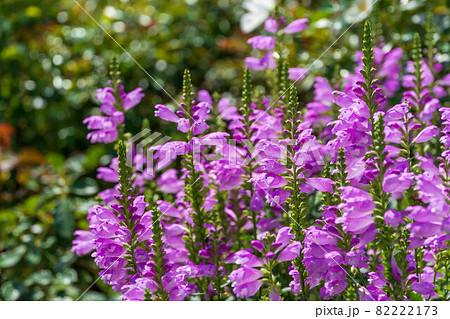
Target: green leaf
<point>67,276</point>
<point>35,293</point>
<point>56,160</point>
<point>34,255</point>
<point>64,221</point>
<point>11,291</point>
<point>12,257</point>
<point>48,242</point>
<point>84,187</point>
<point>415,296</point>
<point>93,296</point>
<point>42,277</point>
<point>31,203</point>
<point>74,166</point>
<point>93,155</point>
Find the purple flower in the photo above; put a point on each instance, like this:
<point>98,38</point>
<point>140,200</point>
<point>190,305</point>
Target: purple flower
<point>423,288</point>
<point>426,223</point>
<point>295,284</point>
<point>273,295</point>
<point>426,75</point>
<point>257,245</point>
<point>426,134</point>
<point>169,183</point>
<point>270,25</point>
<point>372,293</point>
<point>229,176</point>
<point>396,271</point>
<point>200,127</point>
<point>107,174</point>
<point>377,279</point>
<point>397,112</point>
<point>104,129</point>
<point>244,258</point>
<point>132,99</point>
<point>105,96</point>
<point>356,258</point>
<point>245,281</point>
<point>84,243</point>
<point>334,287</point>
<point>122,237</point>
<point>262,42</point>
<point>317,111</point>
<point>291,252</point>
<point>321,184</point>
<point>266,62</point>
<point>136,291</point>
<point>352,127</point>
<point>296,26</point>
<point>204,96</point>
<point>357,210</point>
<point>176,285</point>
<point>284,237</point>
<point>272,180</point>
<point>397,182</point>
<point>256,202</point>
<point>393,218</point>
<point>277,197</point>
<point>322,259</point>
<point>167,153</point>
<point>168,209</point>
<point>446,225</point>
<point>184,125</point>
<point>297,74</point>
<point>163,112</point>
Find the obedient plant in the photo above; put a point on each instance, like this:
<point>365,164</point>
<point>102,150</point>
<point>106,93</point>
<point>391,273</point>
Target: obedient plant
<point>345,198</point>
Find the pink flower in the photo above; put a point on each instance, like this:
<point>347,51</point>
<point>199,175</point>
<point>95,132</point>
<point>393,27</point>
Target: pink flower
<point>229,176</point>
<point>256,202</point>
<point>321,184</point>
<point>270,25</point>
<point>357,210</point>
<point>296,26</point>
<point>426,134</point>
<point>393,218</point>
<point>105,96</point>
<point>163,112</point>
<point>244,258</point>
<point>84,243</point>
<point>291,252</point>
<point>262,42</point>
<point>423,288</point>
<point>266,62</point>
<point>245,281</point>
<point>132,99</point>
<point>297,74</point>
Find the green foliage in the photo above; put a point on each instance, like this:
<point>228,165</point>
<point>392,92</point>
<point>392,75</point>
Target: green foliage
<point>247,97</point>
<point>368,71</point>
<point>36,262</point>
<point>158,253</point>
<point>298,204</point>
<point>35,235</point>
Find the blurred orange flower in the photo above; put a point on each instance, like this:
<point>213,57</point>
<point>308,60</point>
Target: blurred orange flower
<point>6,132</point>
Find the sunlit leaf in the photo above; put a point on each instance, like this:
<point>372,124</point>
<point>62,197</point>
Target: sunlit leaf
<point>64,219</point>
<point>84,187</point>
<point>12,257</point>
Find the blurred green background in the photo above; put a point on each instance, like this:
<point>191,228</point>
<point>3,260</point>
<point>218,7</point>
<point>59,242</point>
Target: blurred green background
<point>52,58</point>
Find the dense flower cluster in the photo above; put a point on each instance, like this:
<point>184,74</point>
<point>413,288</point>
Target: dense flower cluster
<point>347,199</point>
